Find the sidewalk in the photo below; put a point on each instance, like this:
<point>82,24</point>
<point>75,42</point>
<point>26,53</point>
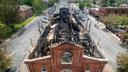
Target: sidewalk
<point>23,67</point>
<point>107,68</point>
<point>101,40</point>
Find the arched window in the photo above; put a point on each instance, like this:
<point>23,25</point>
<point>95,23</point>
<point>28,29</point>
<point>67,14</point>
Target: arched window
<point>44,69</point>
<point>66,57</point>
<point>66,70</point>
<point>87,68</point>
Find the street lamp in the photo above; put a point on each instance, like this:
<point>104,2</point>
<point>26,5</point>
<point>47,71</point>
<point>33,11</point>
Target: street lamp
<point>89,27</point>
<point>98,30</point>
<point>87,23</point>
<point>39,27</point>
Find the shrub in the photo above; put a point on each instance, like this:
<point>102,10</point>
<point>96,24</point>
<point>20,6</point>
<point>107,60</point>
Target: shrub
<point>5,31</point>
<point>122,62</point>
<point>5,61</point>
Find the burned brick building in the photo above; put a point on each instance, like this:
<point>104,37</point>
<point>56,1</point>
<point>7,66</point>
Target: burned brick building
<point>65,46</point>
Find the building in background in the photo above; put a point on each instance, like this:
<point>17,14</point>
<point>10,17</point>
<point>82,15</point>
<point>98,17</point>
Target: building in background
<point>105,11</point>
<point>24,12</point>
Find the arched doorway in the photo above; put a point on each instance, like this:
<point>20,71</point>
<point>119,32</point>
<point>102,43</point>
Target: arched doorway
<point>66,70</point>
<point>87,69</point>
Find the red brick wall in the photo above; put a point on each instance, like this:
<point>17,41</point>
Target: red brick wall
<point>95,66</point>
<point>53,64</point>
<point>36,66</point>
<point>102,12</point>
<point>77,57</point>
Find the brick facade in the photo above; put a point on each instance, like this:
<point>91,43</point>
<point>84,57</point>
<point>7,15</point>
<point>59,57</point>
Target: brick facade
<point>105,11</point>
<point>65,46</point>
<point>53,61</point>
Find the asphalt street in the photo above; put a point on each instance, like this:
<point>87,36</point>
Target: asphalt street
<point>108,44</point>
<point>19,46</point>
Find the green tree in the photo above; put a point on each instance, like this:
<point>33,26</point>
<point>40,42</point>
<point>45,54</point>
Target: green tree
<point>119,2</point>
<point>5,61</point>
<point>112,2</point>
<point>26,2</point>
<point>8,11</point>
<point>51,3</point>
<point>122,20</point>
<point>125,1</point>
<point>5,32</point>
<point>110,21</point>
<point>115,21</point>
<point>105,3</point>
<point>81,5</point>
<point>88,4</point>
<point>38,6</point>
<point>122,62</point>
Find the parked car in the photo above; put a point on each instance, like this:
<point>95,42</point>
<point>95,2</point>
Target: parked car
<point>124,39</point>
<point>118,32</point>
<point>45,21</point>
<point>45,17</point>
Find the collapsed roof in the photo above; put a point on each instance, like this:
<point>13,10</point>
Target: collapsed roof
<point>64,27</point>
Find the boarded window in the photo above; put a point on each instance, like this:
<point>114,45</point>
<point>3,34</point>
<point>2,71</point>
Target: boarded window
<point>66,57</point>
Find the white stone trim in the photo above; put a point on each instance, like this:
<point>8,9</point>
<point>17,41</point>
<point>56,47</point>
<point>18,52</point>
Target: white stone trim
<point>36,59</point>
<point>93,58</point>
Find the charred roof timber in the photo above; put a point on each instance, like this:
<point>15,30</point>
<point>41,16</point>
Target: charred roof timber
<point>65,28</point>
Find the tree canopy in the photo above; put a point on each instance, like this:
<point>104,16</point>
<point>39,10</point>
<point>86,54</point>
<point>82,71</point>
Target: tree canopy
<point>81,5</point>
<point>8,11</point>
<point>106,3</point>
<point>26,2</point>
<point>115,20</point>
<point>38,6</point>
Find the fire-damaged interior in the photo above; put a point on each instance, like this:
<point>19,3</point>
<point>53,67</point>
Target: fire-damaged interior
<point>65,46</point>
<point>64,27</point>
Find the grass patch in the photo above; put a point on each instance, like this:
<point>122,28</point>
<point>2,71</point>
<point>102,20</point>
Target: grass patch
<point>6,31</point>
<point>24,23</point>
